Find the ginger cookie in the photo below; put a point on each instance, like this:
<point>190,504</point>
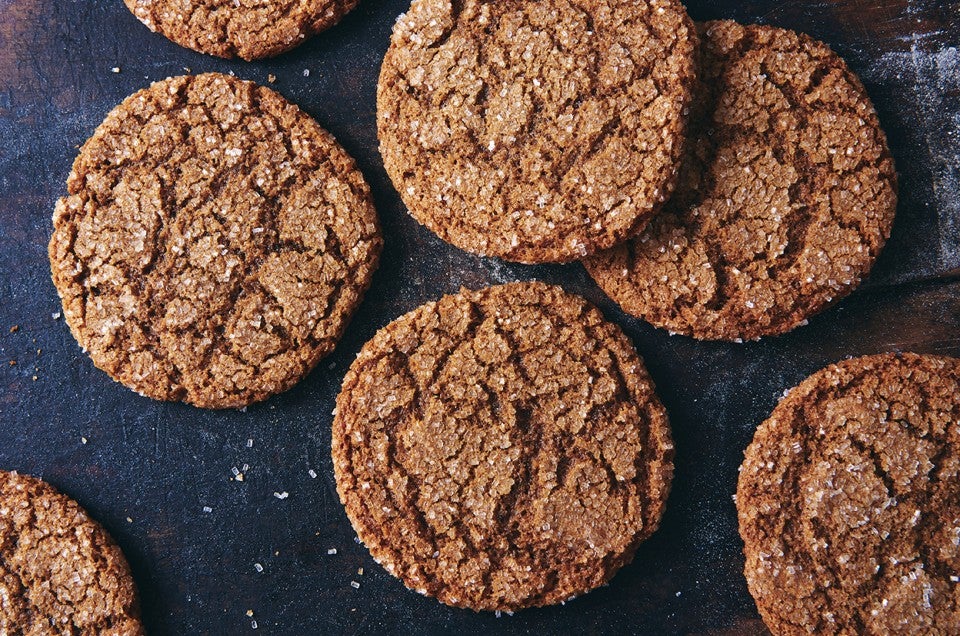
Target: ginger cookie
<point>502,448</point>
<point>60,572</point>
<point>214,244</point>
<point>849,501</point>
<point>786,196</point>
<point>248,30</point>
<point>536,131</point>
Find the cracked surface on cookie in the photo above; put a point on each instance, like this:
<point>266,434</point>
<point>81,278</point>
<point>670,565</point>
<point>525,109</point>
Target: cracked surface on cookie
<point>502,448</point>
<point>535,131</point>
<point>248,29</point>
<point>849,501</point>
<point>786,196</point>
<point>59,570</point>
<point>215,242</point>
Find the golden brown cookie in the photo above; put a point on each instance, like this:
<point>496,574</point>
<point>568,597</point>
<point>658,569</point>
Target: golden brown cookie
<point>786,196</point>
<point>849,501</point>
<point>536,131</point>
<point>230,28</point>
<point>215,242</point>
<point>60,572</point>
<point>502,448</point>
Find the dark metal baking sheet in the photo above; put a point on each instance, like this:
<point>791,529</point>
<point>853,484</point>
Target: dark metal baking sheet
<point>147,470</point>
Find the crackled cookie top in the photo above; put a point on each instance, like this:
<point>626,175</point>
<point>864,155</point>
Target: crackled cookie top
<point>248,29</point>
<point>501,448</point>
<point>786,196</point>
<point>214,244</point>
<point>535,131</point>
<point>60,573</point>
<point>849,501</point>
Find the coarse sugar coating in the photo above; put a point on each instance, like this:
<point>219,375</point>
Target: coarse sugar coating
<point>849,501</point>
<point>60,572</point>
<point>248,29</point>
<point>502,448</point>
<point>536,131</point>
<point>786,196</point>
<point>214,243</point>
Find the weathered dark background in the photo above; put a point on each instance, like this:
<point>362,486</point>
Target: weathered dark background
<point>147,469</point>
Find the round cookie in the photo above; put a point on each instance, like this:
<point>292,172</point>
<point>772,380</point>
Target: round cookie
<point>60,572</point>
<point>502,448</point>
<point>538,131</point>
<point>849,501</point>
<point>248,30</point>
<point>215,242</point>
<point>786,196</point>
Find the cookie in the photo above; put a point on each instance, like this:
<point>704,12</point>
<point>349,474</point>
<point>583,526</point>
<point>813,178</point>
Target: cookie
<point>60,572</point>
<point>849,501</point>
<point>502,448</point>
<point>536,131</point>
<point>248,30</point>
<point>786,197</point>
<point>214,244</point>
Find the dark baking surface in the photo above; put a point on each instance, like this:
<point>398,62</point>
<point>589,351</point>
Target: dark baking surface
<point>146,469</point>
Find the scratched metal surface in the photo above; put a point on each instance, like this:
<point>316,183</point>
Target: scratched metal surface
<point>148,469</point>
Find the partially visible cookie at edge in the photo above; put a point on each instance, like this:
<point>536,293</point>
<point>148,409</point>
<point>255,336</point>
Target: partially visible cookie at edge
<point>785,199</point>
<point>849,501</point>
<point>60,572</point>
<point>214,243</point>
<point>537,131</point>
<point>502,448</point>
<point>229,29</point>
